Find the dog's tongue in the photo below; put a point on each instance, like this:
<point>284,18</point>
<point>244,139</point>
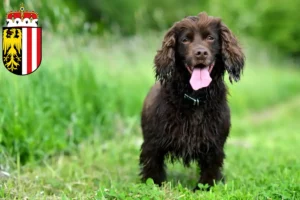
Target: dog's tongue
<point>200,78</point>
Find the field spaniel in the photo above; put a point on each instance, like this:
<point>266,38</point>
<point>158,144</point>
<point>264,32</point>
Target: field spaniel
<point>186,115</point>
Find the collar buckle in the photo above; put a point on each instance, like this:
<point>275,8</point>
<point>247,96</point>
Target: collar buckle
<point>196,102</point>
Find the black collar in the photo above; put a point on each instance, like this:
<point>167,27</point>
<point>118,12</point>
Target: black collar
<point>195,101</point>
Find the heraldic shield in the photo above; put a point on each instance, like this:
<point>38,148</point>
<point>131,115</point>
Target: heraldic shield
<point>22,49</point>
<point>22,42</point>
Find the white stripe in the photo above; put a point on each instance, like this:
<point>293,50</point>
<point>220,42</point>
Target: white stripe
<point>34,49</point>
<point>24,50</point>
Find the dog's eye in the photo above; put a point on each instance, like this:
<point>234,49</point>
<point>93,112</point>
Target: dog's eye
<point>211,38</point>
<point>185,40</point>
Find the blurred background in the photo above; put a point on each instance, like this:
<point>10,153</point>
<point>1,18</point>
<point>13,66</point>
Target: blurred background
<point>84,101</point>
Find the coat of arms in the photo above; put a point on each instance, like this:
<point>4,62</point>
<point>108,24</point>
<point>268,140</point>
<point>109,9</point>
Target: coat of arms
<point>22,42</point>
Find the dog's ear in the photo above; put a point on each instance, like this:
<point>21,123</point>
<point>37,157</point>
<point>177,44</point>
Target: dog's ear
<point>232,54</point>
<point>165,58</point>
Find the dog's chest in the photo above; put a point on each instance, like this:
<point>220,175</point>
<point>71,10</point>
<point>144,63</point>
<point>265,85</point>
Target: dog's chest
<point>189,134</point>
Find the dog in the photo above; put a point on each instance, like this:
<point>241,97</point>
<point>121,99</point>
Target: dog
<point>185,115</point>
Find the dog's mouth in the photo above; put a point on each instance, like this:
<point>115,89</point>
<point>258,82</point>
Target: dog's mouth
<point>200,66</point>
<point>200,75</point>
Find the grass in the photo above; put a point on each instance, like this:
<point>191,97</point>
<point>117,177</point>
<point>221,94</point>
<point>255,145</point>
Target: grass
<point>71,129</point>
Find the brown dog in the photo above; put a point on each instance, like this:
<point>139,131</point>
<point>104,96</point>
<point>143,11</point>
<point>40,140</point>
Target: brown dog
<point>186,115</point>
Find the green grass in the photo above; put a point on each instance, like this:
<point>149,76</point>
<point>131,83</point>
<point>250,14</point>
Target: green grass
<point>71,129</point>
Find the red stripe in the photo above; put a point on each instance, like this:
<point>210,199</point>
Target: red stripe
<point>29,50</point>
<point>39,45</point>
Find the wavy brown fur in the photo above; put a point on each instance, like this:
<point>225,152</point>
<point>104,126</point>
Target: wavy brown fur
<point>172,128</point>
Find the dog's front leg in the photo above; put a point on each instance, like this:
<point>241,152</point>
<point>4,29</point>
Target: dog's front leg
<point>211,165</point>
<point>152,164</point>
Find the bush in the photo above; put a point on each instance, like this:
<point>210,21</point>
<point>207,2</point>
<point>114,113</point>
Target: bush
<point>71,97</point>
<point>277,23</point>
<point>270,21</point>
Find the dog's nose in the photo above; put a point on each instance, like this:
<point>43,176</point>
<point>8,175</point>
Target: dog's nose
<point>201,53</point>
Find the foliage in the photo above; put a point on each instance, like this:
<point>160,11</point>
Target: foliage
<point>261,163</point>
<point>98,89</point>
<point>50,111</point>
<point>71,129</point>
<point>56,15</point>
<point>272,22</point>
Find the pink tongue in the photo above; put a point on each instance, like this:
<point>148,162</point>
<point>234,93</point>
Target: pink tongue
<point>200,78</point>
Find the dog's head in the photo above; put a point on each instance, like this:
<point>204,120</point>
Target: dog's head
<point>199,47</point>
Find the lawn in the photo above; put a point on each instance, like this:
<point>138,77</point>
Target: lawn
<point>71,130</point>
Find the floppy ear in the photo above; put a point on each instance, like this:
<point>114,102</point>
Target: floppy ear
<point>232,54</point>
<point>165,58</point>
